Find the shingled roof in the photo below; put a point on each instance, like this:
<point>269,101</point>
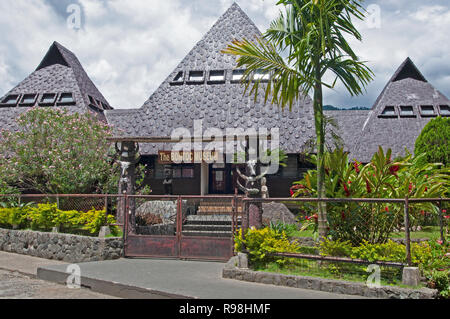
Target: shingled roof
<point>220,103</point>
<point>59,72</point>
<point>390,123</point>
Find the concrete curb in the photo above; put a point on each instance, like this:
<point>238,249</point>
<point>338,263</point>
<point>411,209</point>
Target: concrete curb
<point>110,288</point>
<point>326,285</point>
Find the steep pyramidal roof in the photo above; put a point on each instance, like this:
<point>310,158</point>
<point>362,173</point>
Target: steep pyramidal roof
<point>59,72</point>
<point>404,107</point>
<point>219,103</point>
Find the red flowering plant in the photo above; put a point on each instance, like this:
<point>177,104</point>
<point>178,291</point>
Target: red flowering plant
<point>381,178</point>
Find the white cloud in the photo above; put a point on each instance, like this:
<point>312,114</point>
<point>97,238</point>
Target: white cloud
<point>129,47</point>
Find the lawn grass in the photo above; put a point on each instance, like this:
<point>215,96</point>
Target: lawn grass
<point>427,232</point>
<point>337,271</point>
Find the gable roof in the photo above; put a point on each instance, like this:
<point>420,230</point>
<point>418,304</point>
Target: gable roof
<point>60,71</point>
<point>407,87</point>
<point>219,105</point>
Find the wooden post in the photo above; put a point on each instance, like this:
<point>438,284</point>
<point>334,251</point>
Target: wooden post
<point>407,233</point>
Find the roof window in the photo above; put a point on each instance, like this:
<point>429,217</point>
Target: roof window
<point>389,111</point>
<point>28,100</point>
<point>427,111</point>
<point>178,79</point>
<point>196,77</point>
<point>237,75</point>
<point>444,110</point>
<point>260,75</point>
<point>48,99</point>
<point>407,111</point>
<point>11,100</point>
<point>66,99</point>
<point>216,77</point>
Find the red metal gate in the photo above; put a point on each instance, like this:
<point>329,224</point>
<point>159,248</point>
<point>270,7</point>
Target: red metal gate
<point>185,227</point>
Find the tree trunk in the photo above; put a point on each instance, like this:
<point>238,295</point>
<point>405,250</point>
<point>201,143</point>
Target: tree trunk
<point>320,133</point>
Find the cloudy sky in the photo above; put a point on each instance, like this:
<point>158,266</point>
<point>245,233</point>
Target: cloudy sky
<point>128,47</point>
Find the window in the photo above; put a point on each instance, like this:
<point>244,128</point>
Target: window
<point>261,76</point>
<point>427,110</point>
<point>48,99</point>
<point>92,101</point>
<point>389,111</point>
<point>216,77</point>
<point>184,171</point>
<point>291,170</point>
<point>66,99</point>
<point>10,100</point>
<point>196,77</point>
<point>159,171</point>
<point>105,106</point>
<point>237,75</point>
<point>445,110</point>
<point>407,111</point>
<point>28,100</point>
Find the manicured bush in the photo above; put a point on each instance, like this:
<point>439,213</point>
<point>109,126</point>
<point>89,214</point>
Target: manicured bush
<point>263,242</point>
<point>434,141</point>
<point>44,217</point>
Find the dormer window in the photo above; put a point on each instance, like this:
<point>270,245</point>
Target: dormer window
<point>389,111</point>
<point>407,111</point>
<point>48,99</point>
<point>28,100</point>
<point>237,75</point>
<point>216,77</point>
<point>92,101</point>
<point>427,111</point>
<point>444,110</point>
<point>261,76</point>
<point>66,99</point>
<point>196,77</point>
<point>178,79</point>
<point>105,106</point>
<point>11,100</point>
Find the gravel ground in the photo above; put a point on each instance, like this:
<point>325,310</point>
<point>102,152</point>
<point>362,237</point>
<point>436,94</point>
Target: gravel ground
<point>14,285</point>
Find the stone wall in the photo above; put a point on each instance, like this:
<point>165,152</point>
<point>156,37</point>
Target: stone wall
<point>234,270</point>
<point>68,248</point>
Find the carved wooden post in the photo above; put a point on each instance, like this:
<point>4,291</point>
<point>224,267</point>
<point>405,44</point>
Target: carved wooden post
<point>127,183</point>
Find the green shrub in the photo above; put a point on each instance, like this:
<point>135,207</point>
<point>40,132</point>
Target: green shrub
<point>44,217</point>
<point>433,142</point>
<point>289,229</point>
<point>336,248</point>
<point>262,243</point>
<point>440,280</point>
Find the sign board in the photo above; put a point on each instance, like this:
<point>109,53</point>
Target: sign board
<point>170,157</point>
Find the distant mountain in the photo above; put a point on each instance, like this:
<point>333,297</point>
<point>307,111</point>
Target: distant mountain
<point>334,108</point>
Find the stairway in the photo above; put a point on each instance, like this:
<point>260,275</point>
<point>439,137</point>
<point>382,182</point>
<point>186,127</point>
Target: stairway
<point>213,219</point>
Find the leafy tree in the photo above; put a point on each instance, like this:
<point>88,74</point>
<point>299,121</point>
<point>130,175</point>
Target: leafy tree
<point>434,141</point>
<point>55,152</point>
<point>312,33</point>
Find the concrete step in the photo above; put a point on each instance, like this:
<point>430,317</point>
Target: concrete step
<point>197,233</point>
<point>200,227</point>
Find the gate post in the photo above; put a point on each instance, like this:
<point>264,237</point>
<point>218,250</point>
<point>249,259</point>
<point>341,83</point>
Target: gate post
<point>128,152</point>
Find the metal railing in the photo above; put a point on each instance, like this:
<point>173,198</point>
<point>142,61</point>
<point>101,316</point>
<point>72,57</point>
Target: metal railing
<point>407,203</point>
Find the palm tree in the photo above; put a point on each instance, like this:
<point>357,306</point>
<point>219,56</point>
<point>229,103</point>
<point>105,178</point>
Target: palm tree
<point>310,33</point>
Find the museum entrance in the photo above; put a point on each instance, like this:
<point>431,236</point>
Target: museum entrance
<point>223,179</point>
